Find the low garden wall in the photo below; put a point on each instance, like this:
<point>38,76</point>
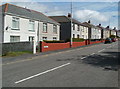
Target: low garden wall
<point>16,47</point>
<point>53,46</point>
<point>57,46</point>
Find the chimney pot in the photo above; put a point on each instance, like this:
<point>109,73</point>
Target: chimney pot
<point>107,26</point>
<point>89,21</point>
<point>69,15</point>
<point>99,24</point>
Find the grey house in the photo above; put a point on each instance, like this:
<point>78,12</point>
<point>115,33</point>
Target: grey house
<point>65,28</point>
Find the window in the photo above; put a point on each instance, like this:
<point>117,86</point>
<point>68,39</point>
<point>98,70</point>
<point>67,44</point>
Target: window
<point>73,25</point>
<point>73,35</point>
<point>31,38</point>
<point>55,29</point>
<point>54,38</point>
<point>14,38</point>
<point>45,27</point>
<point>15,23</point>
<point>31,25</point>
<point>44,38</point>
<point>78,36</point>
<point>82,36</point>
<point>78,28</point>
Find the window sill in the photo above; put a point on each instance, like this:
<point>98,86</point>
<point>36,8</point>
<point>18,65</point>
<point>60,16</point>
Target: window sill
<point>15,29</point>
<point>44,32</point>
<point>31,30</point>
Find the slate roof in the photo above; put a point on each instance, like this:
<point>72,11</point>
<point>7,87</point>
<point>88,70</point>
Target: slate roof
<point>102,27</point>
<point>9,8</point>
<point>63,19</point>
<point>90,25</point>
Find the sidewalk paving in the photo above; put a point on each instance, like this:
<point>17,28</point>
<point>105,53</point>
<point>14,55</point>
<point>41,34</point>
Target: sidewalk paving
<point>30,56</point>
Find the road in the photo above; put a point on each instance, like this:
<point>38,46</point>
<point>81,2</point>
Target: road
<point>91,66</point>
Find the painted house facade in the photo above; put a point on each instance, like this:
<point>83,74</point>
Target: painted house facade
<point>78,29</point>
<point>105,33</point>
<point>118,33</point>
<point>112,31</point>
<point>94,32</point>
<point>22,24</point>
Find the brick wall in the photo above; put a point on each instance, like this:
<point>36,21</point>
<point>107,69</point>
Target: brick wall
<point>77,44</point>
<point>53,46</point>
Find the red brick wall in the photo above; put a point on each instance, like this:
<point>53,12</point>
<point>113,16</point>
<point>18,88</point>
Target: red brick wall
<point>94,42</point>
<point>77,44</point>
<point>57,46</point>
<point>54,46</point>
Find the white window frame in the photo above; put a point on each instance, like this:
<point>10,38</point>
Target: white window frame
<point>44,27</point>
<point>44,38</point>
<point>31,25</point>
<point>54,38</point>
<point>17,22</point>
<point>55,29</point>
<point>13,38</point>
<point>31,38</point>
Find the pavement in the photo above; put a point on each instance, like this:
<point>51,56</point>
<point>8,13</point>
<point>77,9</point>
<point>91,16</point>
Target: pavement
<point>88,66</point>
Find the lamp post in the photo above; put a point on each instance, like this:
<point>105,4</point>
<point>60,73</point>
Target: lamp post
<point>71,26</point>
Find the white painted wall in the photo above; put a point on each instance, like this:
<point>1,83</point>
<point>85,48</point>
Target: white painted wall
<point>95,33</point>
<point>24,32</point>
<point>75,31</point>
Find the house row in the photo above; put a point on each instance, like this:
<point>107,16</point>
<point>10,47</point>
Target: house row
<point>22,24</point>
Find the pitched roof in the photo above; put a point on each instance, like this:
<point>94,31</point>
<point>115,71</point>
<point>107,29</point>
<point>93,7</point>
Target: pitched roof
<point>90,25</point>
<point>16,10</point>
<point>101,27</point>
<point>61,19</point>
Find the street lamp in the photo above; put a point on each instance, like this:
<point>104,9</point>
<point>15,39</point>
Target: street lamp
<point>71,25</point>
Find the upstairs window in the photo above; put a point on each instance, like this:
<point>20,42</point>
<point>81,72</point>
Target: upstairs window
<point>31,25</point>
<point>45,27</point>
<point>73,26</point>
<point>15,23</point>
<point>78,28</point>
<point>55,29</point>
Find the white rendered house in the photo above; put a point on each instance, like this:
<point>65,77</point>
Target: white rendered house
<point>21,24</point>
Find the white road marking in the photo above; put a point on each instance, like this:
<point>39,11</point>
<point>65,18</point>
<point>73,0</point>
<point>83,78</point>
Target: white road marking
<point>83,57</point>
<point>22,80</point>
<point>101,50</point>
<point>92,54</point>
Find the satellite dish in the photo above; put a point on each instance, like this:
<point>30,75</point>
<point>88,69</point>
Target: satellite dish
<point>7,28</point>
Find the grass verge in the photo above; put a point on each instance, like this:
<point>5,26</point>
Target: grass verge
<point>13,54</point>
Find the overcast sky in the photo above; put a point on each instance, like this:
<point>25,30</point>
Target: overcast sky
<point>104,11</point>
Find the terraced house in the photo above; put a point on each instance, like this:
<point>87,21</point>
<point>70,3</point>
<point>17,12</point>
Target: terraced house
<point>22,24</point>
<point>105,33</point>
<point>94,32</point>
<point>79,30</point>
<point>112,31</point>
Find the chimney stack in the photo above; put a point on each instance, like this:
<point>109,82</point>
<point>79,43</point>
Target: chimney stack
<point>89,21</point>
<point>69,15</point>
<point>99,24</point>
<point>114,28</point>
<point>107,27</point>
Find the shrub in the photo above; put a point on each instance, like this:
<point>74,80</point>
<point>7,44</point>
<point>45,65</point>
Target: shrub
<point>78,39</point>
<point>54,41</point>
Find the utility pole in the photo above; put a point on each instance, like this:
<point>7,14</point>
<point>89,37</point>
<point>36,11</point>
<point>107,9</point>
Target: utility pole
<point>71,25</point>
<point>38,35</point>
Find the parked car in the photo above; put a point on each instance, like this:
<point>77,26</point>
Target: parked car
<point>113,39</point>
<point>108,40</point>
